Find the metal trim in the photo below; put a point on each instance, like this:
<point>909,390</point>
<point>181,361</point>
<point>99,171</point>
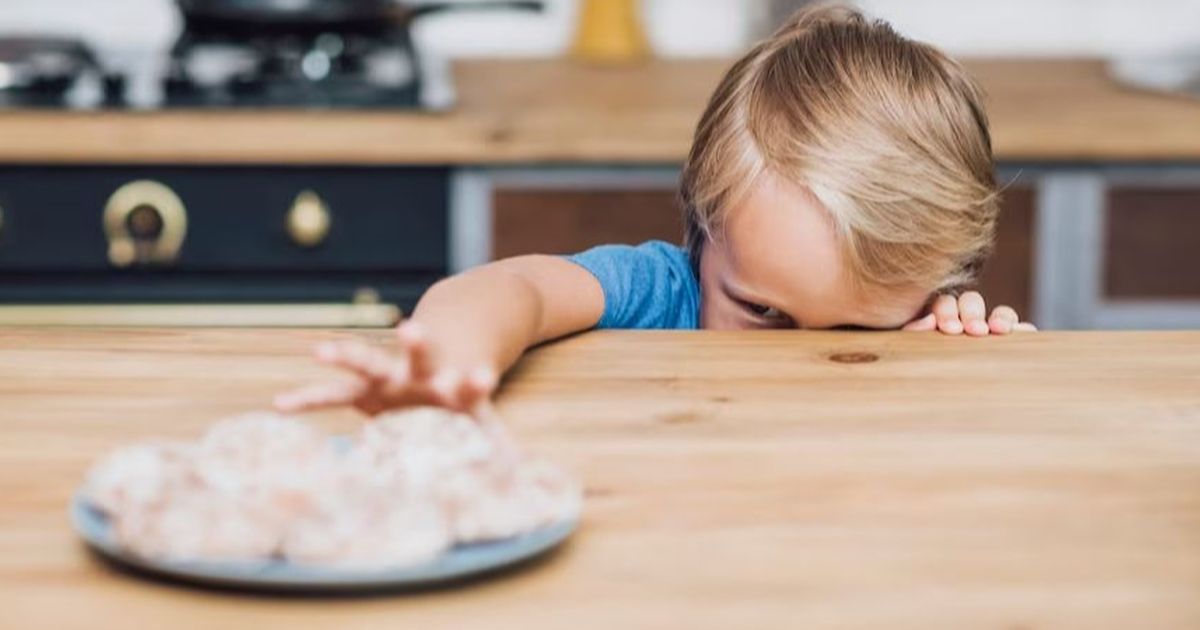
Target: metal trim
<point>601,177</point>
<point>1148,314</point>
<point>1068,252</point>
<point>470,219</point>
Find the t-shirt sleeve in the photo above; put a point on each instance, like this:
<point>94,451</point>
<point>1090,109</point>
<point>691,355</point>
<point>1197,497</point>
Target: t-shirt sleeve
<point>645,286</point>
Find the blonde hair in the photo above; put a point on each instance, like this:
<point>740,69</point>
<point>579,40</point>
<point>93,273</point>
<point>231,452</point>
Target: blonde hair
<point>888,133</point>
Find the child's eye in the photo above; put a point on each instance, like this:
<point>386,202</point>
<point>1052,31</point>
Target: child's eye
<point>763,311</point>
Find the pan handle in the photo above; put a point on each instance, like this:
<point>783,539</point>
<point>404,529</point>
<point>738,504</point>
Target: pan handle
<point>418,9</point>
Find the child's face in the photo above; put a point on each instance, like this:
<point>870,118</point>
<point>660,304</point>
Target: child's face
<point>779,265</point>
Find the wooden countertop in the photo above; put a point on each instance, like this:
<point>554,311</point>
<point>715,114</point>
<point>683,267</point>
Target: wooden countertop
<point>520,112</point>
<point>734,480</point>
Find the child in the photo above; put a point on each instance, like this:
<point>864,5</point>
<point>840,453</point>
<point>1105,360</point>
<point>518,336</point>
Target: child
<point>840,178</point>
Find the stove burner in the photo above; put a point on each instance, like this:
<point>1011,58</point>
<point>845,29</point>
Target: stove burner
<point>360,68</point>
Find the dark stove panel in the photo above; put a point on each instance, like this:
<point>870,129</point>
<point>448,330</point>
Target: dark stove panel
<point>220,234</point>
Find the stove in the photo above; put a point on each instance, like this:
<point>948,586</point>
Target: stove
<point>368,66</point>
<point>364,68</point>
<point>213,244</point>
<point>322,244</point>
<point>325,70</point>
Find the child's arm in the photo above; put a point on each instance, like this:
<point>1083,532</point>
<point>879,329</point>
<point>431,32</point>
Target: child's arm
<point>489,316</point>
<point>466,330</point>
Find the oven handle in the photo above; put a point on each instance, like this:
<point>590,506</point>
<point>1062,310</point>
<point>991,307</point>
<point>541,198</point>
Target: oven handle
<point>335,315</point>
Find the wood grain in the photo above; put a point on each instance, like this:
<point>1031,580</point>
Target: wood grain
<point>734,480</point>
<point>524,111</point>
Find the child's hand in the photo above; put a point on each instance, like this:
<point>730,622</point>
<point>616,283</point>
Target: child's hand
<point>379,382</point>
<point>968,313</point>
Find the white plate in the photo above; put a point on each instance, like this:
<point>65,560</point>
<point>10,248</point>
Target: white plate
<point>458,563</point>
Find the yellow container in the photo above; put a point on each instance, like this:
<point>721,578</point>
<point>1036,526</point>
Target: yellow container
<point>610,31</point>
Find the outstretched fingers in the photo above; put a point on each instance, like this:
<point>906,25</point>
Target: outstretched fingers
<point>320,396</point>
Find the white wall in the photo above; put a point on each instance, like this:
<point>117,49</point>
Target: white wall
<point>1103,28</point>
<point>701,27</point>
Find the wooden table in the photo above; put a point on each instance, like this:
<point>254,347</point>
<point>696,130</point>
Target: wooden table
<point>734,480</point>
<point>530,112</point>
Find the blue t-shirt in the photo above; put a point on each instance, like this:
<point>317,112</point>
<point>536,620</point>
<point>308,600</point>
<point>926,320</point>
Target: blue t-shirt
<point>651,285</point>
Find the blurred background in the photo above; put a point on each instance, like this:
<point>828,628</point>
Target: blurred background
<point>133,28</point>
<point>321,162</point>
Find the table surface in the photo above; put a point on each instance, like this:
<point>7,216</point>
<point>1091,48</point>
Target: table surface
<point>733,480</point>
<point>559,112</point>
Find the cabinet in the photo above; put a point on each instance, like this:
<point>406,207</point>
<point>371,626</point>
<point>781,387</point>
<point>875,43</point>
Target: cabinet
<point>556,220</point>
<point>1152,243</point>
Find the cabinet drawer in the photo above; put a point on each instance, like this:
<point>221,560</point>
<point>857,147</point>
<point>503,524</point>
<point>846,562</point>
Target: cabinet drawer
<point>1153,243</point>
<point>552,221</point>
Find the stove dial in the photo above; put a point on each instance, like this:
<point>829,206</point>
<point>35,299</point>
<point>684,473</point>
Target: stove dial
<point>145,223</point>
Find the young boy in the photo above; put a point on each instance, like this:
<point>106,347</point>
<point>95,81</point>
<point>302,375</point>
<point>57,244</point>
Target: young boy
<point>841,177</point>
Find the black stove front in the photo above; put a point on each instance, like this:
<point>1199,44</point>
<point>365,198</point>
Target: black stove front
<point>220,236</point>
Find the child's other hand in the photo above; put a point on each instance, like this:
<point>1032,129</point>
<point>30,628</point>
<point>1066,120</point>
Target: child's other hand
<point>379,382</point>
<point>968,314</point>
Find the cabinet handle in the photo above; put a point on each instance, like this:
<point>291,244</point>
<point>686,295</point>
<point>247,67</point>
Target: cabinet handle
<point>308,219</point>
<point>149,206</point>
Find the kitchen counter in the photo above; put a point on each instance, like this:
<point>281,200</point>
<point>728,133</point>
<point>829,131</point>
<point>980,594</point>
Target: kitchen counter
<point>529,112</point>
<point>733,480</point>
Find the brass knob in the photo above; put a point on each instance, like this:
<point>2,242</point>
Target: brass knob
<point>308,220</point>
<point>366,296</point>
<point>145,223</point>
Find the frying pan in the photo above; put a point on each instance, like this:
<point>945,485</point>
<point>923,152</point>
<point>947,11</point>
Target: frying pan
<point>314,16</point>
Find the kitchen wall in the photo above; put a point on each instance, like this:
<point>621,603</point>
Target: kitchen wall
<point>1046,27</point>
<point>131,28</point>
